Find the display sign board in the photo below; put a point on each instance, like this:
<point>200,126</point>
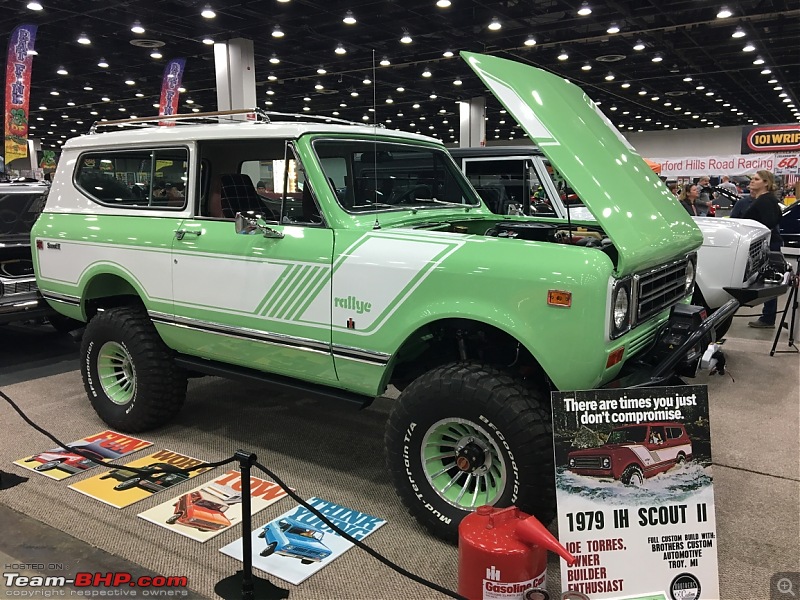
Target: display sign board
<point>635,492</point>
<point>771,138</point>
<point>783,163</point>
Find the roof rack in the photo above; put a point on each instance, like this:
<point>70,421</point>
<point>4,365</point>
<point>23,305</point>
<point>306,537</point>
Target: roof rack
<point>258,115</point>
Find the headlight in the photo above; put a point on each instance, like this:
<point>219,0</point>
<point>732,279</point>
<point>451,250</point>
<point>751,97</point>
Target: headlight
<point>571,462</point>
<point>620,311</point>
<point>606,462</point>
<point>689,276</point>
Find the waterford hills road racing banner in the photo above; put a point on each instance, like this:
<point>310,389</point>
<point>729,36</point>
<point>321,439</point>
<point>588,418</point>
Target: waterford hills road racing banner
<point>60,463</point>
<point>635,492</point>
<point>208,510</point>
<point>120,487</point>
<point>18,87</point>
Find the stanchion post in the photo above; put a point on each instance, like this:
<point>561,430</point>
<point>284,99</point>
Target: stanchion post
<point>792,301</point>
<point>246,460</point>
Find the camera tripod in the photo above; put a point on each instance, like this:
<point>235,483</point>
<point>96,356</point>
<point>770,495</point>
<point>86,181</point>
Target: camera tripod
<point>791,300</point>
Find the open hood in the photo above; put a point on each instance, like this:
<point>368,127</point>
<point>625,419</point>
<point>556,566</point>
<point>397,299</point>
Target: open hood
<point>636,210</point>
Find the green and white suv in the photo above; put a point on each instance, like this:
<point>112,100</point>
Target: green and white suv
<point>382,266</point>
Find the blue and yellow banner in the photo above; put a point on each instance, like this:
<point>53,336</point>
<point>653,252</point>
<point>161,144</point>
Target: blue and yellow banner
<point>18,85</point>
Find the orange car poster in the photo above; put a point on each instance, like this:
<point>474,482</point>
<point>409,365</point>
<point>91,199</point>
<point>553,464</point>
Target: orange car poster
<point>121,487</point>
<point>60,463</point>
<point>209,509</point>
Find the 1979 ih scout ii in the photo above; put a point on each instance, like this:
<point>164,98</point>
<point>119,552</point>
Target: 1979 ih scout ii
<point>392,272</point>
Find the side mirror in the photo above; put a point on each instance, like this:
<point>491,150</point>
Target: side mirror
<point>247,224</point>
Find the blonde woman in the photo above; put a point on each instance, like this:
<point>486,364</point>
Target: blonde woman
<point>688,197</point>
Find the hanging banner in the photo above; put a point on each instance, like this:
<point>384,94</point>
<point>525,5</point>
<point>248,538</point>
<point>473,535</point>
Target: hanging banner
<point>770,138</point>
<point>18,85</point>
<point>634,485</point>
<point>725,164</point>
<point>170,84</point>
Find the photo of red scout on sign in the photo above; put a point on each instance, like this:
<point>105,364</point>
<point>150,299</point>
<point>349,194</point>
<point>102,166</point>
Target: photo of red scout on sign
<point>635,492</point>
<point>208,510</point>
<point>60,463</point>
<point>120,487</point>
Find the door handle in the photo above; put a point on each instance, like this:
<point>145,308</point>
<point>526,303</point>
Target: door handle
<point>180,233</point>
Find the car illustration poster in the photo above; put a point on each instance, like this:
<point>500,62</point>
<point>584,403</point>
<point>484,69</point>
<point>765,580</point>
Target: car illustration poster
<point>635,492</point>
<point>120,487</point>
<point>297,544</point>
<point>60,463</point>
<point>209,509</point>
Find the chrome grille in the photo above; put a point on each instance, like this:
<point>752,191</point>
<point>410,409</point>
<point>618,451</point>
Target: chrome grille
<point>588,462</point>
<point>10,287</point>
<point>758,258</point>
<point>660,289</point>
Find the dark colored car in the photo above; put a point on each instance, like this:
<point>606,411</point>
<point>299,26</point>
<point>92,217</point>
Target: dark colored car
<point>20,205</point>
<point>152,483</point>
<point>790,226</point>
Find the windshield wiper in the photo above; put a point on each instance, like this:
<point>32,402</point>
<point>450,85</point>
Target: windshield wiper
<point>443,202</point>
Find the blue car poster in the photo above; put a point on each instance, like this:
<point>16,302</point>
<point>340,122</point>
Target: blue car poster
<point>635,494</point>
<point>60,463</point>
<point>297,544</point>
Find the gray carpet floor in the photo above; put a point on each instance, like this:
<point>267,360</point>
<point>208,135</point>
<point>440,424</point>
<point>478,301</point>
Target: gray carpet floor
<point>336,453</point>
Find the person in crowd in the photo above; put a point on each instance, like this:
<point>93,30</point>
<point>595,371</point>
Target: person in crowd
<point>705,197</point>
<point>261,189</point>
<point>765,209</point>
<point>672,186</point>
<point>740,208</point>
<point>726,184</point>
<point>688,197</point>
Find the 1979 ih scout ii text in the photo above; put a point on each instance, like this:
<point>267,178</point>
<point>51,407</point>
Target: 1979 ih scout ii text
<point>393,272</point>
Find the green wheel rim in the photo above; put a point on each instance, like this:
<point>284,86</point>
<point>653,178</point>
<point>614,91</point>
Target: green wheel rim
<point>482,483</point>
<point>117,373</point>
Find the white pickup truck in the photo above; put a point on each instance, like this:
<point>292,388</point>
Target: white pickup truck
<point>731,262</point>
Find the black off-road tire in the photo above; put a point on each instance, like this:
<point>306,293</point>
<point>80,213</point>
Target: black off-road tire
<point>269,550</point>
<point>506,416</point>
<point>174,518</point>
<point>633,476</point>
<point>160,385</point>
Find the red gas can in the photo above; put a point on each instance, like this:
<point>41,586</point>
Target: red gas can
<point>502,553</point>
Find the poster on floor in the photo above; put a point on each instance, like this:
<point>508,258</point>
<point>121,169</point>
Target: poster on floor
<point>60,463</point>
<point>121,487</point>
<point>635,492</point>
<point>297,544</point>
<point>209,509</point>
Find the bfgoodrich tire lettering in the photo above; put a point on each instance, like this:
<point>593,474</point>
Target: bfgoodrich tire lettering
<point>154,387</point>
<point>468,419</point>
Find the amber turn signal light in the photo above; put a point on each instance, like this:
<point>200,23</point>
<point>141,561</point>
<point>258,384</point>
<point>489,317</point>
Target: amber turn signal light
<point>559,298</point>
<point>615,357</point>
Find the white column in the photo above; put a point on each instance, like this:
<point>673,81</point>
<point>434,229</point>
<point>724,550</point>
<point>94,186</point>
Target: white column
<point>236,75</point>
<point>472,122</point>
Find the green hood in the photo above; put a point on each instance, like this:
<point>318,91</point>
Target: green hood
<point>636,210</point>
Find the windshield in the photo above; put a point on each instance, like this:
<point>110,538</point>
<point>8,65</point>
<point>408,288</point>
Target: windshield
<point>382,176</point>
<point>627,435</point>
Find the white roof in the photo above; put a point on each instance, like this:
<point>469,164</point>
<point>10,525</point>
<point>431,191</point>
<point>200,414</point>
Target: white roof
<point>181,133</point>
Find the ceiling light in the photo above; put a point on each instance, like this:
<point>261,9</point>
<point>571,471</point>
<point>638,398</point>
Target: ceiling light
<point>495,24</point>
<point>354,94</point>
<point>270,92</point>
<point>385,62</point>
<point>748,48</point>
<point>277,32</point>
<point>340,49</point>
<point>609,77</point>
<point>102,64</point>
<point>32,53</point>
<point>447,54</point>
<point>758,61</point>
<point>389,100</point>
<point>530,41</point>
<point>457,82</point>
<point>642,92</point>
<point>433,96</point>
<point>274,59</point>
<point>584,10</point>
<point>739,33</point>
<point>401,89</point>
<point>42,107</point>
<point>208,13</point>
<point>88,87</point>
<point>272,77</point>
<point>625,85</point>
<point>586,67</point>
<point>34,6</point>
<point>139,95</point>
<point>724,13</point>
<point>367,81</point>
<point>766,71</point>
<point>639,46</point>
<point>62,71</point>
<point>613,28</point>
<point>130,82</point>
<point>657,58</point>
<point>406,39</point>
<point>208,41</point>
<point>319,86</point>
<point>563,55</point>
<point>105,99</point>
<point>70,103</point>
<point>427,72</point>
<point>321,70</point>
<point>349,18</point>
<point>443,3</point>
<point>137,27</point>
<point>83,39</point>
<point>156,54</point>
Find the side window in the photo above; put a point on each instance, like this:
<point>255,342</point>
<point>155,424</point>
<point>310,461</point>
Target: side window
<point>673,432</point>
<point>506,186</point>
<point>138,178</point>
